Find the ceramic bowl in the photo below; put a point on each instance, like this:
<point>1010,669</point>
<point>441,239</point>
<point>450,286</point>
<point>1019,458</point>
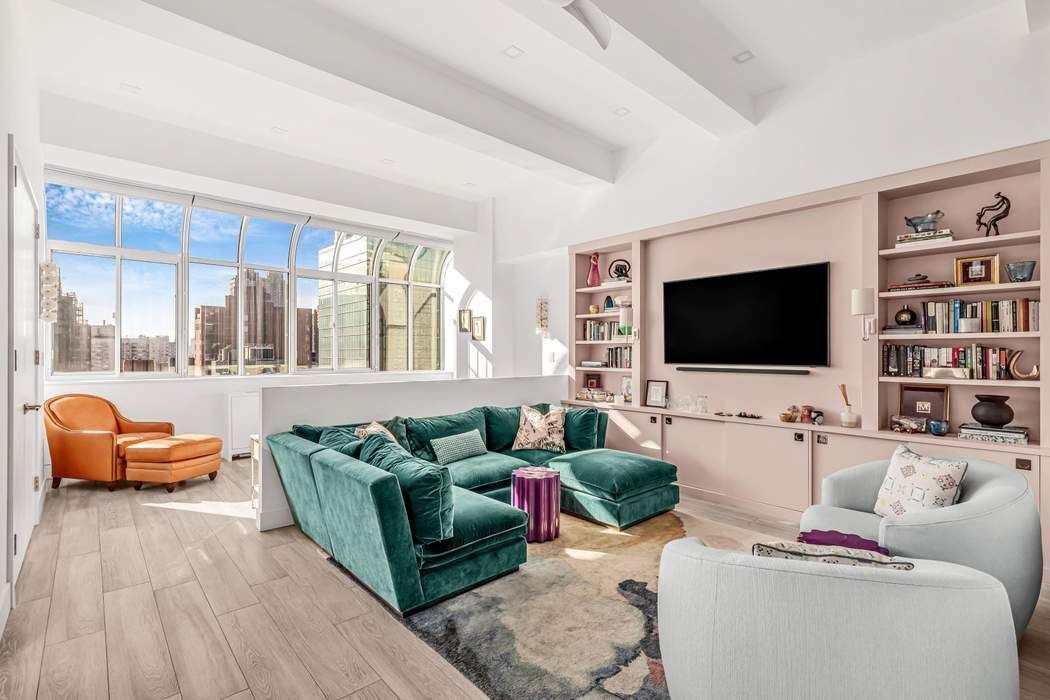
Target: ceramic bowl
<point>1020,271</point>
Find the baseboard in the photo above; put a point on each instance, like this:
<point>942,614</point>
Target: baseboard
<point>763,509</point>
<point>273,519</point>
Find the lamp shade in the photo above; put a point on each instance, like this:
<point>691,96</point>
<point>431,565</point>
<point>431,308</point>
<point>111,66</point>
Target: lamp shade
<point>862,302</point>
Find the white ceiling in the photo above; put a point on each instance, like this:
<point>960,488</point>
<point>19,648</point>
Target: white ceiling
<point>420,92</point>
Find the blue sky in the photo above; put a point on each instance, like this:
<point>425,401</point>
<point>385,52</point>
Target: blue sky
<point>150,225</point>
<point>79,215</point>
<point>148,291</point>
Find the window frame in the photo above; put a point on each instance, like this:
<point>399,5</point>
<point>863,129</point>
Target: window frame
<point>182,262</point>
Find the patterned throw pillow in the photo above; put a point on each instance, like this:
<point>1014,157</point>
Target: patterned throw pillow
<point>373,428</point>
<point>828,555</point>
<point>456,447</point>
<point>541,431</point>
<point>915,483</point>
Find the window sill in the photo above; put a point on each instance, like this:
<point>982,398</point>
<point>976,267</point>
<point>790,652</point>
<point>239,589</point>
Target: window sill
<point>303,377</point>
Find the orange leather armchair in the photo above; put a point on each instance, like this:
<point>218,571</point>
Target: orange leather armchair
<point>88,437</point>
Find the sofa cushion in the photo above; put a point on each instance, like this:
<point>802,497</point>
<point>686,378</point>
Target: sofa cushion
<point>395,425</point>
<point>479,523</point>
<point>425,487</point>
<point>501,425</point>
<point>581,429</point>
<point>612,474</point>
<point>125,439</point>
<point>422,430</point>
<point>484,472</point>
<point>915,483</point>
<point>342,440</point>
<point>535,458</point>
<point>453,448</point>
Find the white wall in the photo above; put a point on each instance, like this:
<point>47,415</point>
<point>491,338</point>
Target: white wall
<point>975,86</point>
<point>283,407</point>
<point>19,116</point>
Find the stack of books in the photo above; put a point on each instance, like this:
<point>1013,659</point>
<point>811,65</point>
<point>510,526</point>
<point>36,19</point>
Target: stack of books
<point>910,238</point>
<point>1010,435</point>
<point>592,364</point>
<point>602,330</point>
<point>1006,316</point>
<point>915,329</point>
<point>912,286</point>
<point>975,361</point>
<point>620,358</point>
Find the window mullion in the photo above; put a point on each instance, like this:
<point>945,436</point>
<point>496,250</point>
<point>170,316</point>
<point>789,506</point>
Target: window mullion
<point>240,313</point>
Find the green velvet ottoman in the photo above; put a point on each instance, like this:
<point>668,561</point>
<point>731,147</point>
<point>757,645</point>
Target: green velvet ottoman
<point>615,488</point>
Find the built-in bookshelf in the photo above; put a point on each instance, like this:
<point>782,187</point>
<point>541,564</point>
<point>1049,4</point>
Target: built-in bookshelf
<point>960,196</point>
<point>596,336</point>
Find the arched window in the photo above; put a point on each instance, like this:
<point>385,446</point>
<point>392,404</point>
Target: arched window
<point>162,282</point>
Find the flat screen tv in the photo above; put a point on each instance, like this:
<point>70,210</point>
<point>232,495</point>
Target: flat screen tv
<point>773,317</point>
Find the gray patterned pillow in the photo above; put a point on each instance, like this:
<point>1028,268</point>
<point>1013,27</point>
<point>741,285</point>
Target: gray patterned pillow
<point>541,431</point>
<point>915,483</point>
<point>456,447</point>
<point>828,554</point>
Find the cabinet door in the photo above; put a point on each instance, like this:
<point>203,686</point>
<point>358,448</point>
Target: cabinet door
<point>768,465</point>
<point>697,448</point>
<point>632,431</point>
<point>834,452</point>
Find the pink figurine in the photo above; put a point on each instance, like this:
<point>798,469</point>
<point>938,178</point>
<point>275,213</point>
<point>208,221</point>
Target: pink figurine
<point>594,277</point>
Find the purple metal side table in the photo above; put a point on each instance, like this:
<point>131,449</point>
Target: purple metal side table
<point>537,491</point>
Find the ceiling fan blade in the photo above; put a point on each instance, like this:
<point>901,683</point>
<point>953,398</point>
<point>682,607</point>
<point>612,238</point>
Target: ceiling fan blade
<point>590,16</point>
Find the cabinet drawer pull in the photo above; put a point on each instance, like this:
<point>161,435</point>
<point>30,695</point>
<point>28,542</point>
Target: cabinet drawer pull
<point>652,419</point>
<point>800,437</point>
<point>667,420</point>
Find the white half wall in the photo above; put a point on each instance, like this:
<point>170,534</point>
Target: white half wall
<point>284,406</point>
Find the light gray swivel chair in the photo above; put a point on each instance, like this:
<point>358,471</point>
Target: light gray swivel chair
<point>994,527</point>
<point>737,626</point>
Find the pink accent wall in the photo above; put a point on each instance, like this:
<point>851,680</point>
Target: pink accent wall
<point>828,233</point>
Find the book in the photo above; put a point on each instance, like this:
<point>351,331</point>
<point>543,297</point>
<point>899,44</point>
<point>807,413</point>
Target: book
<point>972,361</point>
<point>920,235</point>
<point>911,286</point>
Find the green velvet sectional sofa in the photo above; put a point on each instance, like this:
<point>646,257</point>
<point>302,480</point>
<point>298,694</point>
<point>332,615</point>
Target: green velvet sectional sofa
<point>416,532</point>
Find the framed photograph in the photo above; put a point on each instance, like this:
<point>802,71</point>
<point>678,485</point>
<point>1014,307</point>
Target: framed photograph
<point>592,381</point>
<point>626,388</point>
<point>906,424</point>
<point>656,393</point>
<point>925,402</point>
<point>477,328</point>
<point>982,269</point>
<point>464,320</point>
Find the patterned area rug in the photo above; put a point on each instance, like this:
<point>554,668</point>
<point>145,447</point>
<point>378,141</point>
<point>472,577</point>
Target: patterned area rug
<point>577,621</point>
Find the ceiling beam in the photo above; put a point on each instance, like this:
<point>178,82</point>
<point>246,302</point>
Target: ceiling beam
<point>316,49</point>
<point>679,54</point>
<point>1038,14</point>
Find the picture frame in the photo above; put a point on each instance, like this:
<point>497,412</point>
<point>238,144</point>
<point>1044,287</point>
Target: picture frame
<point>477,324</point>
<point>927,402</point>
<point>592,381</point>
<point>627,388</point>
<point>465,319</point>
<point>979,269</point>
<point>656,393</point>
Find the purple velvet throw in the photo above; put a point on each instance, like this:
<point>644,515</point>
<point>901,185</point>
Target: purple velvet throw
<point>840,539</point>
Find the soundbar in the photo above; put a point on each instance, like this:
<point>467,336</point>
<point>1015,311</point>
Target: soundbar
<point>743,370</point>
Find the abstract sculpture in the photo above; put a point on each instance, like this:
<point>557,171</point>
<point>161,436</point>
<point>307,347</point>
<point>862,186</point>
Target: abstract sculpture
<point>999,211</point>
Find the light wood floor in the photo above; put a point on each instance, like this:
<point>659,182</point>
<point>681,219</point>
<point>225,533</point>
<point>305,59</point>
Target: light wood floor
<point>150,595</point>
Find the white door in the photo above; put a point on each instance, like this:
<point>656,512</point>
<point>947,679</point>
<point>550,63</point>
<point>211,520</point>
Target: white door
<point>24,390</point>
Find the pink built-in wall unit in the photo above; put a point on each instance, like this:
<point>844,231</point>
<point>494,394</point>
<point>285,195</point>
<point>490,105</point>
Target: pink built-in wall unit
<point>777,467</point>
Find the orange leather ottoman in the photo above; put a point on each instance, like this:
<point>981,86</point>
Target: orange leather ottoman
<point>174,459</point>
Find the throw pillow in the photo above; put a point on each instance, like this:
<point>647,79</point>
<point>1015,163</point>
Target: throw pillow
<point>374,428</point>
<point>539,431</point>
<point>915,483</point>
<point>343,440</point>
<point>581,428</point>
<point>456,447</point>
<point>422,430</point>
<point>501,425</point>
<point>840,539</point>
<point>395,425</point>
<point>828,555</point>
<point>425,487</point>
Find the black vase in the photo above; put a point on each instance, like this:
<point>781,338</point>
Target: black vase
<point>991,410</point>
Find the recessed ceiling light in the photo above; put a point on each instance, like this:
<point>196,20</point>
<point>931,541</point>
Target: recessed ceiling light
<point>743,56</point>
<point>279,130</point>
<point>387,161</point>
<point>513,51</point>
<point>621,111</point>
<point>130,87</point>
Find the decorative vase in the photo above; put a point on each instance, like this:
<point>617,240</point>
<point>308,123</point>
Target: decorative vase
<point>594,277</point>
<point>991,410</point>
<point>938,427</point>
<point>905,317</point>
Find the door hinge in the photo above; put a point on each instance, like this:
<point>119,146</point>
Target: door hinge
<point>36,357</point>
<point>36,483</point>
<point>36,230</point>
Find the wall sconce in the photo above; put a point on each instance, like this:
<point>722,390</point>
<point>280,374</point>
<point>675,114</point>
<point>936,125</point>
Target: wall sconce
<point>543,317</point>
<point>862,303</point>
<point>50,284</point>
